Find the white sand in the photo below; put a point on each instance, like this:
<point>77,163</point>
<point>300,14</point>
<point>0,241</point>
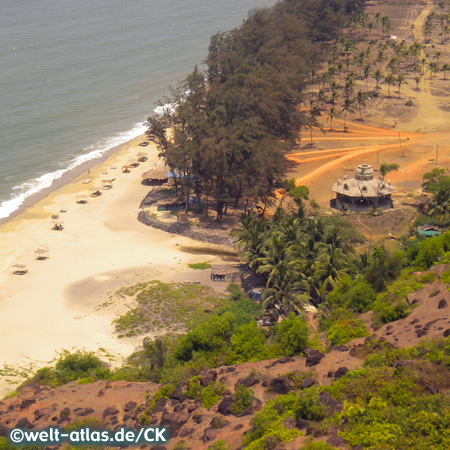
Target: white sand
<point>51,307</point>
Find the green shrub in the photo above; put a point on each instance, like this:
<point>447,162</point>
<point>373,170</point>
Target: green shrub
<point>429,252</point>
<point>242,399</point>
<point>248,343</point>
<point>208,395</point>
<point>162,392</point>
<point>445,277</point>
<point>268,423</point>
<point>317,446</point>
<point>292,335</point>
<point>200,266</point>
<point>356,295</point>
<point>220,445</point>
<point>69,367</point>
<point>428,277</point>
<point>208,337</point>
<point>346,328</point>
<point>384,312</point>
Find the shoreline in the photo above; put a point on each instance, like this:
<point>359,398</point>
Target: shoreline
<point>69,176</point>
<point>55,305</point>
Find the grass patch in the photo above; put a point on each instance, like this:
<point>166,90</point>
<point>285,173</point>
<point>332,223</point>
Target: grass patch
<point>200,266</point>
<point>173,307</point>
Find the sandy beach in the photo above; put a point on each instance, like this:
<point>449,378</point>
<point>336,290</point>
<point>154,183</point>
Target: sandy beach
<point>102,248</point>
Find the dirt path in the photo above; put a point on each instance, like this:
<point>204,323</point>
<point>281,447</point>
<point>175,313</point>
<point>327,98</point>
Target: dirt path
<point>413,147</point>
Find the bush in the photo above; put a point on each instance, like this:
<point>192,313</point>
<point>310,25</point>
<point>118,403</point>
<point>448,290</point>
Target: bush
<point>242,399</point>
<point>445,277</point>
<point>346,328</point>
<point>208,395</point>
<point>248,343</point>
<point>430,250</point>
<point>69,367</point>
<point>428,277</point>
<point>356,295</point>
<point>385,312</point>
<point>317,446</point>
<point>292,335</point>
<point>208,337</point>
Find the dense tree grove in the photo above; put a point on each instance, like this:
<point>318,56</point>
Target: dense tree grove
<point>229,126</point>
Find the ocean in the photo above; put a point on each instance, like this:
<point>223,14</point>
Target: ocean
<point>80,77</point>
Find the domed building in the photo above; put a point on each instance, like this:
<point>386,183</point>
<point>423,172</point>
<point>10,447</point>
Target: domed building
<point>362,192</point>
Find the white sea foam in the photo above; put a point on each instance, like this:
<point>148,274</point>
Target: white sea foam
<point>29,188</point>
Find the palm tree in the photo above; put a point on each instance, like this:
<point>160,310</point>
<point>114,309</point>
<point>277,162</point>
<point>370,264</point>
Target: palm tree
<point>445,68</point>
<point>314,112</point>
<point>389,79</point>
<point>347,108</point>
<point>400,80</point>
<point>332,115</point>
<point>378,75</point>
<point>250,238</point>
<point>440,205</point>
<point>417,79</point>
<point>361,98</point>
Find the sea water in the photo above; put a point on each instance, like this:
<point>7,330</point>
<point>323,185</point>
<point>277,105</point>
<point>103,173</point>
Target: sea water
<point>78,77</point>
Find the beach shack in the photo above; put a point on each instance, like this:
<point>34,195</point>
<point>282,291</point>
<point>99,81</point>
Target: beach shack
<point>224,273</point>
<point>155,177</point>
<point>429,230</point>
<point>142,157</point>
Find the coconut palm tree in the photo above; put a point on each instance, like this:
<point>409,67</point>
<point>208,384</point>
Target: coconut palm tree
<point>445,68</point>
<point>347,108</point>
<point>389,79</point>
<point>361,98</point>
<point>400,80</point>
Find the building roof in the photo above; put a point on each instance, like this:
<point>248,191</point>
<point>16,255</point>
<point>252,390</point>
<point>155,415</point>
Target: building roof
<point>363,185</point>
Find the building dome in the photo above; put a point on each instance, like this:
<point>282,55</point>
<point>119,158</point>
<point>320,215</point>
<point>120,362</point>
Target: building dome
<point>364,172</point>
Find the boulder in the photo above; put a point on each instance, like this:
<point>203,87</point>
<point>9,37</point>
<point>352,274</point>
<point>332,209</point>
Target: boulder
<point>339,348</point>
<point>336,441</point>
<point>160,404</point>
<point>442,304</point>
<point>186,432</point>
<point>307,382</point>
<point>43,412</point>
<point>84,412</point>
<point>209,435</point>
<point>247,382</point>
<point>130,406</point>
<point>24,423</point>
<point>330,403</point>
<point>192,407</point>
<point>256,405</point>
<point>301,424</point>
<point>340,372</point>
<point>208,377</point>
<point>110,411</point>
<point>174,421</point>
<point>26,403</point>
<point>218,423</point>
<point>447,332</point>
<point>403,363</point>
<point>225,406</point>
<point>177,394</point>
<point>282,385</point>
<point>313,357</point>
